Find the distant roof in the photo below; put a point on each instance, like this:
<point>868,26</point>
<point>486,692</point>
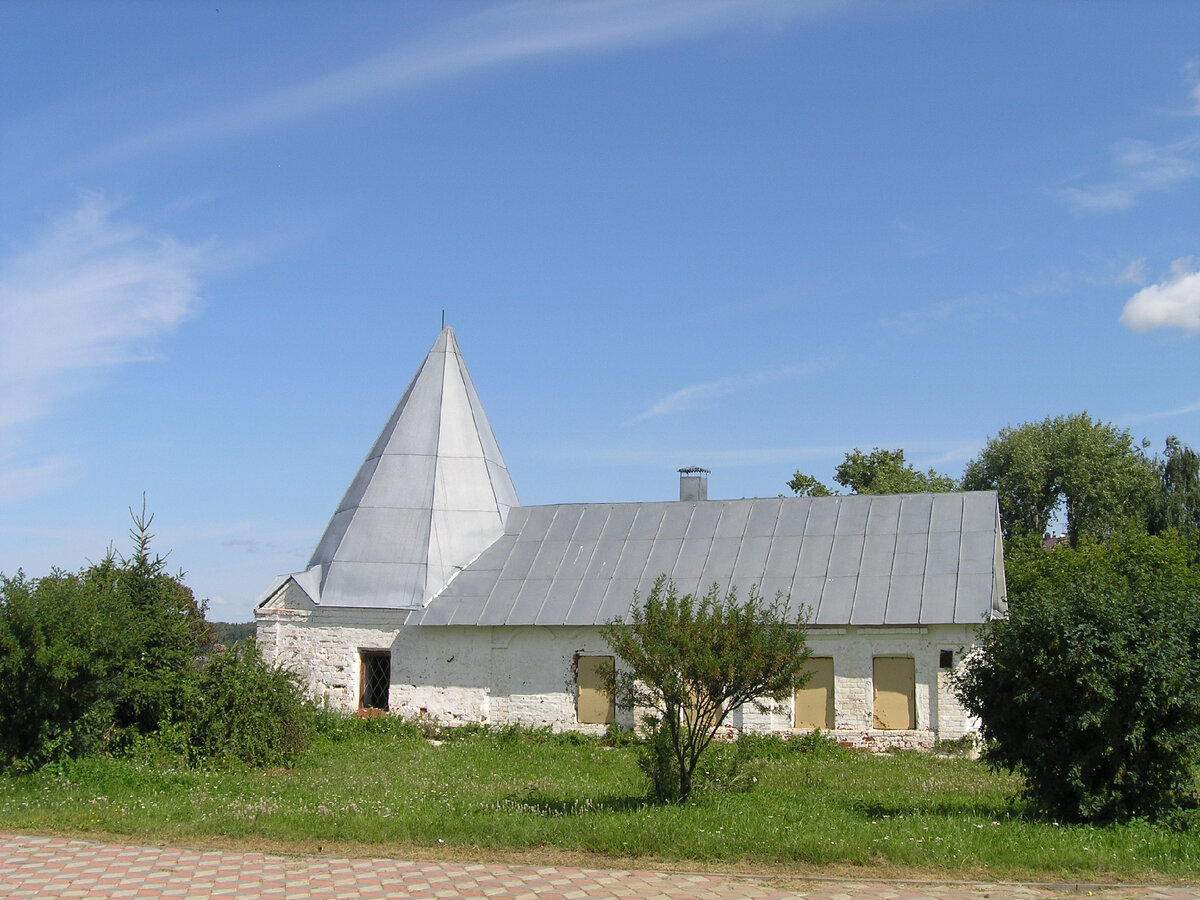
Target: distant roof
<point>907,559</point>
<point>432,493</point>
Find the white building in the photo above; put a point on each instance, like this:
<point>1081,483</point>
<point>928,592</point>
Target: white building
<point>434,592</point>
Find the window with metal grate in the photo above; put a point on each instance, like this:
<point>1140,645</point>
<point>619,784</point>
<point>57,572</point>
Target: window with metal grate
<point>376,679</point>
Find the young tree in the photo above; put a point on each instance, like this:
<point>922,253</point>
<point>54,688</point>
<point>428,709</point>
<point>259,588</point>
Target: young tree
<point>1088,688</point>
<point>691,661</point>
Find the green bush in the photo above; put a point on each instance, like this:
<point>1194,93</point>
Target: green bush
<point>112,659</point>
<point>1089,688</point>
<point>246,710</point>
<point>64,653</point>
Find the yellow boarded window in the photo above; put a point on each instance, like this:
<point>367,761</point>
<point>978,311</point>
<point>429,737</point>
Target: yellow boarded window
<point>895,692</point>
<point>593,706</point>
<point>814,701</point>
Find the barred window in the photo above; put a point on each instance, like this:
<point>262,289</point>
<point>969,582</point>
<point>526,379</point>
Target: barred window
<point>376,678</point>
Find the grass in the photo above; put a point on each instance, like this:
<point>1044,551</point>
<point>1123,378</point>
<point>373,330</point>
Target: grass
<point>381,788</point>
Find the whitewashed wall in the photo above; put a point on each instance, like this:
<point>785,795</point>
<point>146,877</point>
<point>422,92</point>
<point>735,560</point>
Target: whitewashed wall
<point>526,675</point>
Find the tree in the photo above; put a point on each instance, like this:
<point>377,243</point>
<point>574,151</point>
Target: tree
<point>692,661</point>
<point>877,472</point>
<point>1090,470</point>
<point>1178,503</point>
<point>886,472</point>
<point>806,486</point>
<point>1088,689</point>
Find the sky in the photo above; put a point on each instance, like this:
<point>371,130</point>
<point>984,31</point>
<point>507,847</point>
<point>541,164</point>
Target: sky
<point>747,236</point>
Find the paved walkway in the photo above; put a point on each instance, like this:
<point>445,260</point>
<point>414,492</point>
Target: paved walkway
<point>51,867</point>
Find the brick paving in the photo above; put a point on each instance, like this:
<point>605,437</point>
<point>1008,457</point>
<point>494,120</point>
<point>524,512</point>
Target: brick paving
<point>53,867</point>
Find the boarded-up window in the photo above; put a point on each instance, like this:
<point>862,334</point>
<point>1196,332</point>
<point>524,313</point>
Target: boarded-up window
<point>814,701</point>
<point>895,692</point>
<point>593,706</point>
<point>375,679</point>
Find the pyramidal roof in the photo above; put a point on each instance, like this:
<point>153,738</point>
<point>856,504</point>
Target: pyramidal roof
<point>432,494</point>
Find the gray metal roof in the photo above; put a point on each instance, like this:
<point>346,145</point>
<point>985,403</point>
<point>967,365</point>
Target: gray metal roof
<point>432,493</point>
<point>908,559</point>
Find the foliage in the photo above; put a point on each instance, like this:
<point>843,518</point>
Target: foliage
<point>113,659</point>
<point>1090,470</point>
<point>168,631</point>
<point>877,472</point>
<point>1178,502</point>
<point>63,652</point>
<point>1088,689</point>
<point>229,633</point>
<point>807,486</point>
<point>247,711</point>
<point>886,472</point>
<point>690,662</point>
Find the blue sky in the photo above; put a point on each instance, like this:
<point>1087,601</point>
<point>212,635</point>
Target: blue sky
<point>748,236</point>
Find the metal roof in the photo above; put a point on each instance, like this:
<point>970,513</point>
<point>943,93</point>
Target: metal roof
<point>432,493</point>
<point>906,559</point>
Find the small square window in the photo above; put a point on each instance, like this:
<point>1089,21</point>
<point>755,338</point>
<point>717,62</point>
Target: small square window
<point>946,659</point>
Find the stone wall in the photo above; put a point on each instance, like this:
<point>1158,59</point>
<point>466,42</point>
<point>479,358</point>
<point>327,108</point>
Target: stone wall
<point>526,675</point>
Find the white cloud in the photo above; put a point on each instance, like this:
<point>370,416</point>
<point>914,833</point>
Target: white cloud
<point>698,395</point>
<point>1139,167</point>
<point>89,294</point>
<point>1174,303</point>
<point>510,34</point>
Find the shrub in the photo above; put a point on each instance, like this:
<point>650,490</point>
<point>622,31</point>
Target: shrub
<point>64,650</point>
<point>110,659</point>
<point>246,710</point>
<point>691,661</point>
<point>1088,689</point>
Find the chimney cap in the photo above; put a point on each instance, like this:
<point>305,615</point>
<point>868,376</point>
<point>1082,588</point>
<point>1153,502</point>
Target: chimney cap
<point>694,470</point>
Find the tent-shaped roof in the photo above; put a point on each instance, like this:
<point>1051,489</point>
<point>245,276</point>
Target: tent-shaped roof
<point>907,559</point>
<point>430,496</point>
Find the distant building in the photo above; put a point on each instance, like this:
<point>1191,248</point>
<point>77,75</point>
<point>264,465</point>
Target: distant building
<point>434,592</point>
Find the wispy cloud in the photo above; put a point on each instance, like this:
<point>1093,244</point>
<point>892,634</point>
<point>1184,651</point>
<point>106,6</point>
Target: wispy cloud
<point>511,34</point>
<point>1136,418</point>
<point>90,293</point>
<point>1172,303</point>
<point>1138,167</point>
<point>22,482</point>
<point>1134,273</point>
<point>921,453</point>
<point>698,395</point>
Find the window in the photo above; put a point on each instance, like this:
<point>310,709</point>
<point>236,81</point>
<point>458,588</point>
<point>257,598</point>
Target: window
<point>593,706</point>
<point>945,659</point>
<point>375,678</point>
<point>813,704</point>
<point>895,692</point>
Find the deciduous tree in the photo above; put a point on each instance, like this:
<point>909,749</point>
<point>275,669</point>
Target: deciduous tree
<point>877,472</point>
<point>1090,470</point>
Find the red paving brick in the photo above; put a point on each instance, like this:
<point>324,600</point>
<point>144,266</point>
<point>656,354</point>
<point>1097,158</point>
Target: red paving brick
<point>52,867</point>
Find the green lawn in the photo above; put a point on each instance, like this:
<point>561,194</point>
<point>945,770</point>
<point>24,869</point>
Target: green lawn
<point>378,788</point>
